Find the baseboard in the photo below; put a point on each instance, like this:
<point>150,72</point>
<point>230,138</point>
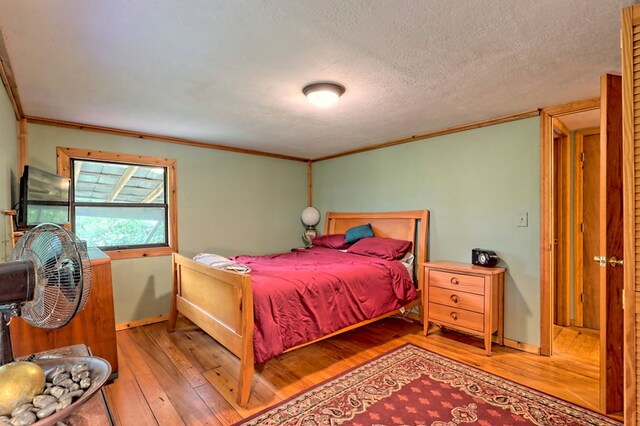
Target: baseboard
<point>141,322</point>
<point>522,346</point>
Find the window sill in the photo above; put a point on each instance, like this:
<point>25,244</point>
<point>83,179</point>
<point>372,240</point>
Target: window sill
<point>139,253</point>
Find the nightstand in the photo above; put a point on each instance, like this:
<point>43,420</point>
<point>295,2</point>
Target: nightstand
<point>465,297</point>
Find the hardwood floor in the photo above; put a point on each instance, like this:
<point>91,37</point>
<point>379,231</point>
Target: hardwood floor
<point>187,378</point>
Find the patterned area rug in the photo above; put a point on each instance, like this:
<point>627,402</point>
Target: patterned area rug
<point>412,386</point>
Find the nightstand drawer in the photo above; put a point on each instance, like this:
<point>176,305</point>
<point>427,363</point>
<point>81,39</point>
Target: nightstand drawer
<point>454,316</point>
<point>457,299</point>
<point>458,282</point>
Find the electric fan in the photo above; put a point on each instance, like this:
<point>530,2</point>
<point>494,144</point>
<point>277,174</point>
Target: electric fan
<point>47,282</point>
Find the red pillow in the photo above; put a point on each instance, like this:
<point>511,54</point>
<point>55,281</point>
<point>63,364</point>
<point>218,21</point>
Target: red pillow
<point>333,241</point>
<point>385,248</point>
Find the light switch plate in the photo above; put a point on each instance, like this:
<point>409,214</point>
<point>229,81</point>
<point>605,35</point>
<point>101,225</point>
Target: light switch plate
<point>523,220</point>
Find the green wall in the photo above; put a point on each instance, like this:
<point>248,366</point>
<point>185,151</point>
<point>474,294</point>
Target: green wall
<point>8,168</point>
<point>228,203</point>
<point>475,183</point>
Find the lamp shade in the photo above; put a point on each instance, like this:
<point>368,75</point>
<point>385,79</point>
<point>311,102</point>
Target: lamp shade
<point>323,94</point>
<point>310,216</point>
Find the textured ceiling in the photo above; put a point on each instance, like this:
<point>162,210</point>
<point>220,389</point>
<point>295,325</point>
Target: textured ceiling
<point>231,72</point>
<point>581,120</point>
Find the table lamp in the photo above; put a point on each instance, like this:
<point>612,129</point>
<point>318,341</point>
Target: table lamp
<point>310,217</point>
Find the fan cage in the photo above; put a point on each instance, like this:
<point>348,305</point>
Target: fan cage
<point>63,275</point>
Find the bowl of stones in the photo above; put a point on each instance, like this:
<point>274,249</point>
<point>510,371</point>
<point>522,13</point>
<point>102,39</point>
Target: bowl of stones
<point>70,381</point>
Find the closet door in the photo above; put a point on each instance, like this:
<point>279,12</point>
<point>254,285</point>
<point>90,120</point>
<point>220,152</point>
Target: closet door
<point>611,246</point>
<point>631,205</point>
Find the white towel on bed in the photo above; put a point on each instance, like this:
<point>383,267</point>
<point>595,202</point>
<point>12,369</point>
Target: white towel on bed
<point>221,262</point>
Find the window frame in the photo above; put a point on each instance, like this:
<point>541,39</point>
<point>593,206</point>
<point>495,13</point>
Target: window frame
<point>64,161</point>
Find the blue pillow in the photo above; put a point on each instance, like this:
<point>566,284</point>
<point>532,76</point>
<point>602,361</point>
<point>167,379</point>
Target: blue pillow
<point>357,233</point>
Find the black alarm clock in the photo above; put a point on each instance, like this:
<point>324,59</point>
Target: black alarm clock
<point>482,257</point>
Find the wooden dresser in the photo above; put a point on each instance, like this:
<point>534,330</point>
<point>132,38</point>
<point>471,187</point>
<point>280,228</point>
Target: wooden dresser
<point>466,298</point>
<point>94,326</point>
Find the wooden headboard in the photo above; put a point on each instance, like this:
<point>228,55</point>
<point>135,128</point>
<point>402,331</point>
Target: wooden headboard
<point>399,225</point>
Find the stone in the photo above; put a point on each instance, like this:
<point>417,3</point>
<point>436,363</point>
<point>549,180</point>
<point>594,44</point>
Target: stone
<point>58,369</point>
<point>47,411</point>
<point>24,419</point>
<point>42,401</point>
<point>57,379</point>
<point>64,403</point>
<point>85,383</point>
<point>67,383</point>
<point>21,408</point>
<point>58,391</point>
<point>80,376</point>
<point>79,368</point>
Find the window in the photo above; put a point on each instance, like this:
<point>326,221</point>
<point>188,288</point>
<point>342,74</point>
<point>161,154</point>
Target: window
<point>123,204</point>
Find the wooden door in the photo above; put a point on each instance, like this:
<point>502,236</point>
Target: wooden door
<point>587,204</point>
<point>611,245</point>
<point>631,203</point>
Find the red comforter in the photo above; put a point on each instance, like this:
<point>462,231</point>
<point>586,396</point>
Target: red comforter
<point>306,294</point>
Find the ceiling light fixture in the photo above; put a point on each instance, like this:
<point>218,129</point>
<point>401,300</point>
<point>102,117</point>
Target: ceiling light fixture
<point>323,94</point>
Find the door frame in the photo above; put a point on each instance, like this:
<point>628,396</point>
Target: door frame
<point>561,307</point>
<point>547,248</point>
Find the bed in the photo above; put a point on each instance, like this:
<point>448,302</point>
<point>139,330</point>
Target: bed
<point>222,302</point>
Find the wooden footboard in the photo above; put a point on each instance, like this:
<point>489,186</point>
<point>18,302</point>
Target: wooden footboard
<point>220,303</point>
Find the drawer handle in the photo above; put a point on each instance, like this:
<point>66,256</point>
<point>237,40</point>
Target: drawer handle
<point>454,298</point>
<point>455,281</point>
<point>454,316</point>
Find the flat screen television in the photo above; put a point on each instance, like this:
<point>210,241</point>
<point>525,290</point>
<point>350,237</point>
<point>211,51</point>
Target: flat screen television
<point>44,198</point>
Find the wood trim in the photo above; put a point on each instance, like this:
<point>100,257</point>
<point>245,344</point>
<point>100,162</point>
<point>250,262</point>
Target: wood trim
<point>546,232</point>
<point>9,80</point>
<point>630,17</point>
<point>11,235</point>
<point>155,137</point>
<point>63,161</point>
<point>561,127</point>
<point>64,155</point>
<point>23,146</point>
<point>141,252</point>
<point>199,144</point>
<point>573,107</point>
<point>447,131</point>
<point>141,322</point>
<point>309,183</point>
<point>578,236</point>
<point>546,212</point>
<point>521,346</point>
<point>590,131</point>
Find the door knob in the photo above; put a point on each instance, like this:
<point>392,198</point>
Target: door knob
<point>613,261</point>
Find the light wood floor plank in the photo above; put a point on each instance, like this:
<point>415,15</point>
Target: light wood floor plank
<point>157,399</point>
<point>218,405</point>
<point>126,399</point>
<point>191,409</point>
